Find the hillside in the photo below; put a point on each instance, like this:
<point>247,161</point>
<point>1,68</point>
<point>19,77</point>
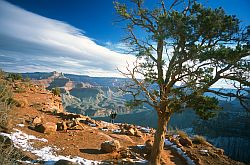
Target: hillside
<point>98,96</point>
<point>46,134</point>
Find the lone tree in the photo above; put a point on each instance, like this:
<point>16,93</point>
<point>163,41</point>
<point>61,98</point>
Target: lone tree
<point>182,49</point>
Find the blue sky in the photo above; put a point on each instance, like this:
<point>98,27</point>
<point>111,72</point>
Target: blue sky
<point>77,36</point>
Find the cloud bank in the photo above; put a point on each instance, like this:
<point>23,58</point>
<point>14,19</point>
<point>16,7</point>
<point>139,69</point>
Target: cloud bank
<point>30,42</point>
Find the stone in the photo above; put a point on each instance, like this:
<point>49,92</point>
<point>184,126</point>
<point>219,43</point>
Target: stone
<point>186,142</point>
<point>123,131</point>
<point>219,151</point>
<point>110,146</point>
<point>61,126</point>
<point>131,131</point>
<point>138,133</point>
<point>65,162</point>
<point>37,120</point>
<point>47,128</point>
<point>71,124</point>
<point>148,146</point>
<point>126,153</point>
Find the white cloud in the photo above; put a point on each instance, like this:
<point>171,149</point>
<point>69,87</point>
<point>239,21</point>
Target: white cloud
<point>30,42</point>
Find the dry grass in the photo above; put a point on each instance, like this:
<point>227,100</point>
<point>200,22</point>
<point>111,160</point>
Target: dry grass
<point>197,139</point>
<point>9,155</point>
<point>182,133</point>
<point>21,102</point>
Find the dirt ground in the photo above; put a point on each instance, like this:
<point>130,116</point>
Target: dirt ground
<point>86,141</point>
<point>83,143</point>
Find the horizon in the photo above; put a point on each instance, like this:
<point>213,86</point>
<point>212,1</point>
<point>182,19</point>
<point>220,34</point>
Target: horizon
<point>213,87</point>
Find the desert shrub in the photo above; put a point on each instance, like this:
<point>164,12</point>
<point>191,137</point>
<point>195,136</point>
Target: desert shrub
<point>37,106</point>
<point>27,79</point>
<point>9,155</point>
<point>21,102</point>
<point>182,133</point>
<point>56,91</point>
<point>20,90</point>
<point>5,102</point>
<point>197,139</point>
<point>14,76</point>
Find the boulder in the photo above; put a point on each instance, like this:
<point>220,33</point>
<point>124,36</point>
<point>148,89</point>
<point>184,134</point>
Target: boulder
<point>37,120</point>
<point>219,151</point>
<point>138,133</point>
<point>47,128</point>
<point>110,146</point>
<point>126,153</point>
<point>71,124</point>
<point>131,131</point>
<point>123,131</point>
<point>61,126</point>
<point>186,142</point>
<point>148,146</point>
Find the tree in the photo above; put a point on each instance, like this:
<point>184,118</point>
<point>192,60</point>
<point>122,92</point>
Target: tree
<point>182,50</point>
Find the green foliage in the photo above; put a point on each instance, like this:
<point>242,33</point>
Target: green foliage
<point>56,91</point>
<point>182,50</point>
<point>201,43</point>
<point>14,76</point>
<point>6,101</point>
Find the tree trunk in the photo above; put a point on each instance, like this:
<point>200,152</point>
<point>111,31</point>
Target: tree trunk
<point>159,139</point>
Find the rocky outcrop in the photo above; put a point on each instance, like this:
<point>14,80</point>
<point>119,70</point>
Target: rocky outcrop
<point>110,146</point>
<point>186,142</point>
<point>46,128</point>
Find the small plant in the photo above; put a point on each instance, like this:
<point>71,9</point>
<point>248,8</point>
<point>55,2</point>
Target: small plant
<point>9,155</point>
<point>197,139</point>
<point>5,102</point>
<point>56,91</point>
<point>27,79</point>
<point>14,76</point>
<point>37,106</point>
<point>19,90</point>
<point>182,134</point>
<point>21,103</point>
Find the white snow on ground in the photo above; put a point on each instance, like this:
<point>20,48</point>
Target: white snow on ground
<point>20,125</point>
<point>117,131</point>
<point>22,140</point>
<point>180,152</point>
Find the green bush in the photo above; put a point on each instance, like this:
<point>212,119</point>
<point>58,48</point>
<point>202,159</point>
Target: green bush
<point>9,155</point>
<point>5,102</point>
<point>14,76</point>
<point>56,91</point>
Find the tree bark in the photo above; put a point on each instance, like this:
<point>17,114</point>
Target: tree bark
<point>159,139</point>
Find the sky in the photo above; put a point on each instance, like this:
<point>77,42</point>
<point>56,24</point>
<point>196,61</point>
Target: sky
<point>78,36</point>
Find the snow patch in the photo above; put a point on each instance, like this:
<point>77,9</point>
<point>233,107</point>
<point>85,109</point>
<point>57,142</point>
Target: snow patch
<point>22,140</point>
<point>20,125</point>
<point>117,131</point>
<point>180,152</point>
<point>92,125</point>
